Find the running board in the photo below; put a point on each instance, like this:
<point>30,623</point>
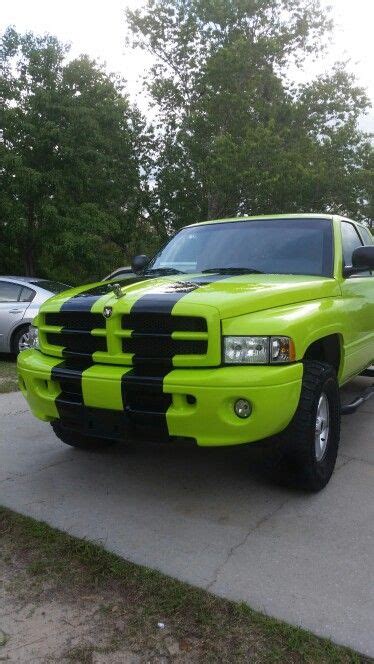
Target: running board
<point>368,372</point>
<point>350,408</point>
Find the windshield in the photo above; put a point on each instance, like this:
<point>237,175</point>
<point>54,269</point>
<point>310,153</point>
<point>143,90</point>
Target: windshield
<point>272,246</point>
<point>52,286</point>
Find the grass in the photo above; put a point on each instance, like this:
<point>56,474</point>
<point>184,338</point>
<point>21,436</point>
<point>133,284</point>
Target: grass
<point>8,375</point>
<point>208,629</point>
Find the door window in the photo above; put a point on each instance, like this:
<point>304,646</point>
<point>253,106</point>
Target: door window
<point>9,292</point>
<point>27,294</point>
<point>351,241</point>
<point>367,237</point>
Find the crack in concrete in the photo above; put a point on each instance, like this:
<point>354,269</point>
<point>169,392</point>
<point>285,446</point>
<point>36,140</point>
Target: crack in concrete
<point>233,549</point>
<point>17,412</point>
<point>17,476</point>
<point>345,461</point>
<point>351,458</point>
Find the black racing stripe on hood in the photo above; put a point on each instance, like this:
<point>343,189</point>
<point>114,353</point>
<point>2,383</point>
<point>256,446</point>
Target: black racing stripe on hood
<point>85,300</point>
<point>143,396</point>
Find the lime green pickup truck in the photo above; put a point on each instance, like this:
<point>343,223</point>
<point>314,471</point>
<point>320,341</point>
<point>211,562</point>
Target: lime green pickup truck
<point>238,330</point>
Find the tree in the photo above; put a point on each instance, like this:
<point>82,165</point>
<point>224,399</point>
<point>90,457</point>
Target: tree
<point>73,164</point>
<point>235,135</point>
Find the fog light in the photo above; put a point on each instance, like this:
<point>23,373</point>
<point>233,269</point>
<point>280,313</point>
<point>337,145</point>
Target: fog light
<point>242,408</point>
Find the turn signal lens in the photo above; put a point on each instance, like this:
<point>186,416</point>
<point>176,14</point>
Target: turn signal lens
<point>282,349</point>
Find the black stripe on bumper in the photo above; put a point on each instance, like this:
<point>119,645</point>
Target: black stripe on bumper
<point>143,395</point>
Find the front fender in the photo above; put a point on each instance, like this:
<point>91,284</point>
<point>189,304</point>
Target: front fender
<point>305,323</point>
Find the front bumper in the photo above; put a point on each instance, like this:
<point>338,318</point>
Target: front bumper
<point>201,400</point>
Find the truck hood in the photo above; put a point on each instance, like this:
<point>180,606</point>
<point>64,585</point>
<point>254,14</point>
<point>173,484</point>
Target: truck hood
<point>230,295</point>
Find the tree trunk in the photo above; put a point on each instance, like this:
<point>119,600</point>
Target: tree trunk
<point>29,262</point>
<point>213,206</point>
<point>29,254</point>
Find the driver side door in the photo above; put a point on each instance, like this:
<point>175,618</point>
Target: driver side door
<point>358,290</point>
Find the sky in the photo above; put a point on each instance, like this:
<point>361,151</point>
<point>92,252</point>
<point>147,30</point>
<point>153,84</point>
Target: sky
<point>98,29</point>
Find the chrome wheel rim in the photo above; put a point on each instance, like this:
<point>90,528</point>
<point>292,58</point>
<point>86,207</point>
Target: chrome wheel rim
<point>24,342</point>
<point>322,429</point>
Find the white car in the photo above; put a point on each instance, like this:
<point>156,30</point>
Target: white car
<point>20,299</point>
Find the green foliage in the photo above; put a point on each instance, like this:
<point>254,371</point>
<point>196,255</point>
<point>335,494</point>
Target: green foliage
<point>74,163</point>
<point>85,183</point>
<point>237,136</point>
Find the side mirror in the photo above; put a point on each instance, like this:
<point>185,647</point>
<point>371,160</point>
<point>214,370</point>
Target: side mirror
<point>362,261</point>
<point>363,257</point>
<point>139,263</point>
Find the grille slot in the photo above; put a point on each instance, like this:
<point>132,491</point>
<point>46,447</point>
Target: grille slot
<point>77,343</point>
<point>151,323</point>
<point>162,347</point>
<point>73,320</point>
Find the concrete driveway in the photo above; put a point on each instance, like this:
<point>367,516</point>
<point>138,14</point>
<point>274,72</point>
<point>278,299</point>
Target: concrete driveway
<point>213,518</point>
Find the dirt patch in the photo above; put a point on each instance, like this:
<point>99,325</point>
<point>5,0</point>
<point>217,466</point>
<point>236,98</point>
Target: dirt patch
<point>59,630</point>
<point>66,600</point>
<point>8,375</point>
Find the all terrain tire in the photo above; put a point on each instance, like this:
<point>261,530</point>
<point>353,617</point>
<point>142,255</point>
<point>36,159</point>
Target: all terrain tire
<point>312,438</point>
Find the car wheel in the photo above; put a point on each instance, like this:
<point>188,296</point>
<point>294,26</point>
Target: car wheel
<point>21,339</point>
<point>312,438</point>
<point>78,440</point>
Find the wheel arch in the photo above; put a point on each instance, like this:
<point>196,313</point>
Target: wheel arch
<point>20,326</point>
<point>327,349</point>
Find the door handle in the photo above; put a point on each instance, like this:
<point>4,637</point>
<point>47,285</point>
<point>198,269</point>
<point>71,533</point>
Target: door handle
<point>15,311</point>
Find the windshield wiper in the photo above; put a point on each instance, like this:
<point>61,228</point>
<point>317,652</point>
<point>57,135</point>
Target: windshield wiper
<point>232,270</point>
<point>163,270</point>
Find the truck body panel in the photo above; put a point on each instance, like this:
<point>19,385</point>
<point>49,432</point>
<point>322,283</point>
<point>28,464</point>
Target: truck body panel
<point>153,357</point>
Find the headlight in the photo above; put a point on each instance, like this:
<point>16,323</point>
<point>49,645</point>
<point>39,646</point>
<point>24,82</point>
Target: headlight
<point>258,350</point>
<point>246,350</point>
<point>33,337</point>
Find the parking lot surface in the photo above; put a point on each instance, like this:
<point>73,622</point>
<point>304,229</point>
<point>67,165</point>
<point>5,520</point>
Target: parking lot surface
<point>213,518</point>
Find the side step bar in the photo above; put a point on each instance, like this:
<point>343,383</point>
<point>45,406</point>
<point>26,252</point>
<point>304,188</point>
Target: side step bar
<point>350,408</point>
<point>368,372</point>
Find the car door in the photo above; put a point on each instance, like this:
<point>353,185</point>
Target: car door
<point>12,309</point>
<point>368,239</point>
<point>359,290</point>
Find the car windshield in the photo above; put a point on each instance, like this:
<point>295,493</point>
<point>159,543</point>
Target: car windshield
<point>52,286</point>
<point>272,246</point>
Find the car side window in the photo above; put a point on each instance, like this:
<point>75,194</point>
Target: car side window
<point>351,241</point>
<point>27,294</point>
<point>367,237</point>
<point>9,292</point>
